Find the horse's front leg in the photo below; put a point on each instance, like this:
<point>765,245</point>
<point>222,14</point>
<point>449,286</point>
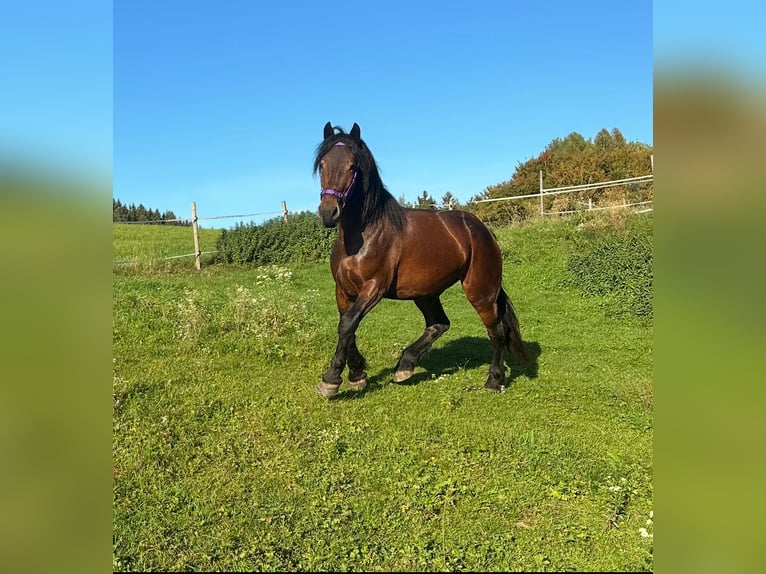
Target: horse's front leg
<point>357,377</point>
<point>346,351</point>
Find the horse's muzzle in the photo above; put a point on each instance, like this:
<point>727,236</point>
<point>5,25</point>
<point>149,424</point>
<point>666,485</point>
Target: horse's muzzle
<point>329,212</point>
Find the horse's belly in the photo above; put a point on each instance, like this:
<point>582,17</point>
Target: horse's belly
<point>421,282</point>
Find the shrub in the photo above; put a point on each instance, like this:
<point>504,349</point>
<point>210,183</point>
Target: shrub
<point>617,262</point>
<point>303,238</point>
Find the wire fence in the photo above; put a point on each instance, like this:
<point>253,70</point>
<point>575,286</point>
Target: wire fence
<point>133,261</point>
<point>193,222</point>
<point>541,194</point>
<point>618,206</point>
<point>188,221</point>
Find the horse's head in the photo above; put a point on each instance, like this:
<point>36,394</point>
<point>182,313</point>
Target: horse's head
<point>337,166</point>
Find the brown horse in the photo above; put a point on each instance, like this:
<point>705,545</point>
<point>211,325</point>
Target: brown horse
<point>385,250</point>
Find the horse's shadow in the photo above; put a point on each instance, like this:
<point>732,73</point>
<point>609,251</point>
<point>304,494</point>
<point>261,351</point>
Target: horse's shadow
<point>454,355</point>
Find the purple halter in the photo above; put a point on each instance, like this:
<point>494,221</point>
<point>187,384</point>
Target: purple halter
<point>334,192</point>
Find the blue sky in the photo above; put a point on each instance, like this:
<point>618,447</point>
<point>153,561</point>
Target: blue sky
<point>223,103</point>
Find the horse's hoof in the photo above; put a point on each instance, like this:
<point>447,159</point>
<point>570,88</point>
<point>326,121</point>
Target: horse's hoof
<point>401,376</point>
<point>327,390</point>
<point>358,385</point>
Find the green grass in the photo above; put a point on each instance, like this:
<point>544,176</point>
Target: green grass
<point>226,459</point>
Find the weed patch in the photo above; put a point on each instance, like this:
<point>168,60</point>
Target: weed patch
<point>618,264</point>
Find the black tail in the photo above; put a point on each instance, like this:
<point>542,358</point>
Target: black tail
<point>507,315</point>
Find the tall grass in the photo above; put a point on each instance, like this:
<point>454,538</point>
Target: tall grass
<point>226,459</point>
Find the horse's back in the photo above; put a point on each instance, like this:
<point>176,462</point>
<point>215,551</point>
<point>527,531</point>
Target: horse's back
<point>437,250</point>
<point>453,230</point>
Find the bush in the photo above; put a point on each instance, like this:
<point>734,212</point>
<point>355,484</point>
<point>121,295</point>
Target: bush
<point>303,238</point>
<point>618,263</point>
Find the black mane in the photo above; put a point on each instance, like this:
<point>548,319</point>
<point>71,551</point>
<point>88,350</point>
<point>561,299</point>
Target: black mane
<point>376,202</point>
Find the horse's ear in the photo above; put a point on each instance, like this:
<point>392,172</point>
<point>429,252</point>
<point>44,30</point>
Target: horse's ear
<point>328,131</point>
<point>356,132</point>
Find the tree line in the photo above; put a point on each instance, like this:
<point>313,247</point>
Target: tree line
<point>122,213</point>
<point>573,160</point>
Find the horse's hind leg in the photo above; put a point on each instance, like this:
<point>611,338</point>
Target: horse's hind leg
<point>496,378</point>
<point>484,299</point>
<point>496,330</point>
<point>436,324</point>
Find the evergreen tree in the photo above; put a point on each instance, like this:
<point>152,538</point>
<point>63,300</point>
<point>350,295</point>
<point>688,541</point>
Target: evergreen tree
<point>449,201</point>
<point>131,213</point>
<point>424,201</point>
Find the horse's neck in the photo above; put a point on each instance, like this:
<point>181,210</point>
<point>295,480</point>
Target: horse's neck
<point>352,233</point>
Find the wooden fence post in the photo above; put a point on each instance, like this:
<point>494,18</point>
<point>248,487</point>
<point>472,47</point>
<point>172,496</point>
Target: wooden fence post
<point>197,262</point>
<point>542,209</point>
<point>284,212</point>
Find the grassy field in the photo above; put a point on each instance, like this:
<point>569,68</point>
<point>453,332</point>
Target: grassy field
<point>224,457</point>
<point>148,247</point>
